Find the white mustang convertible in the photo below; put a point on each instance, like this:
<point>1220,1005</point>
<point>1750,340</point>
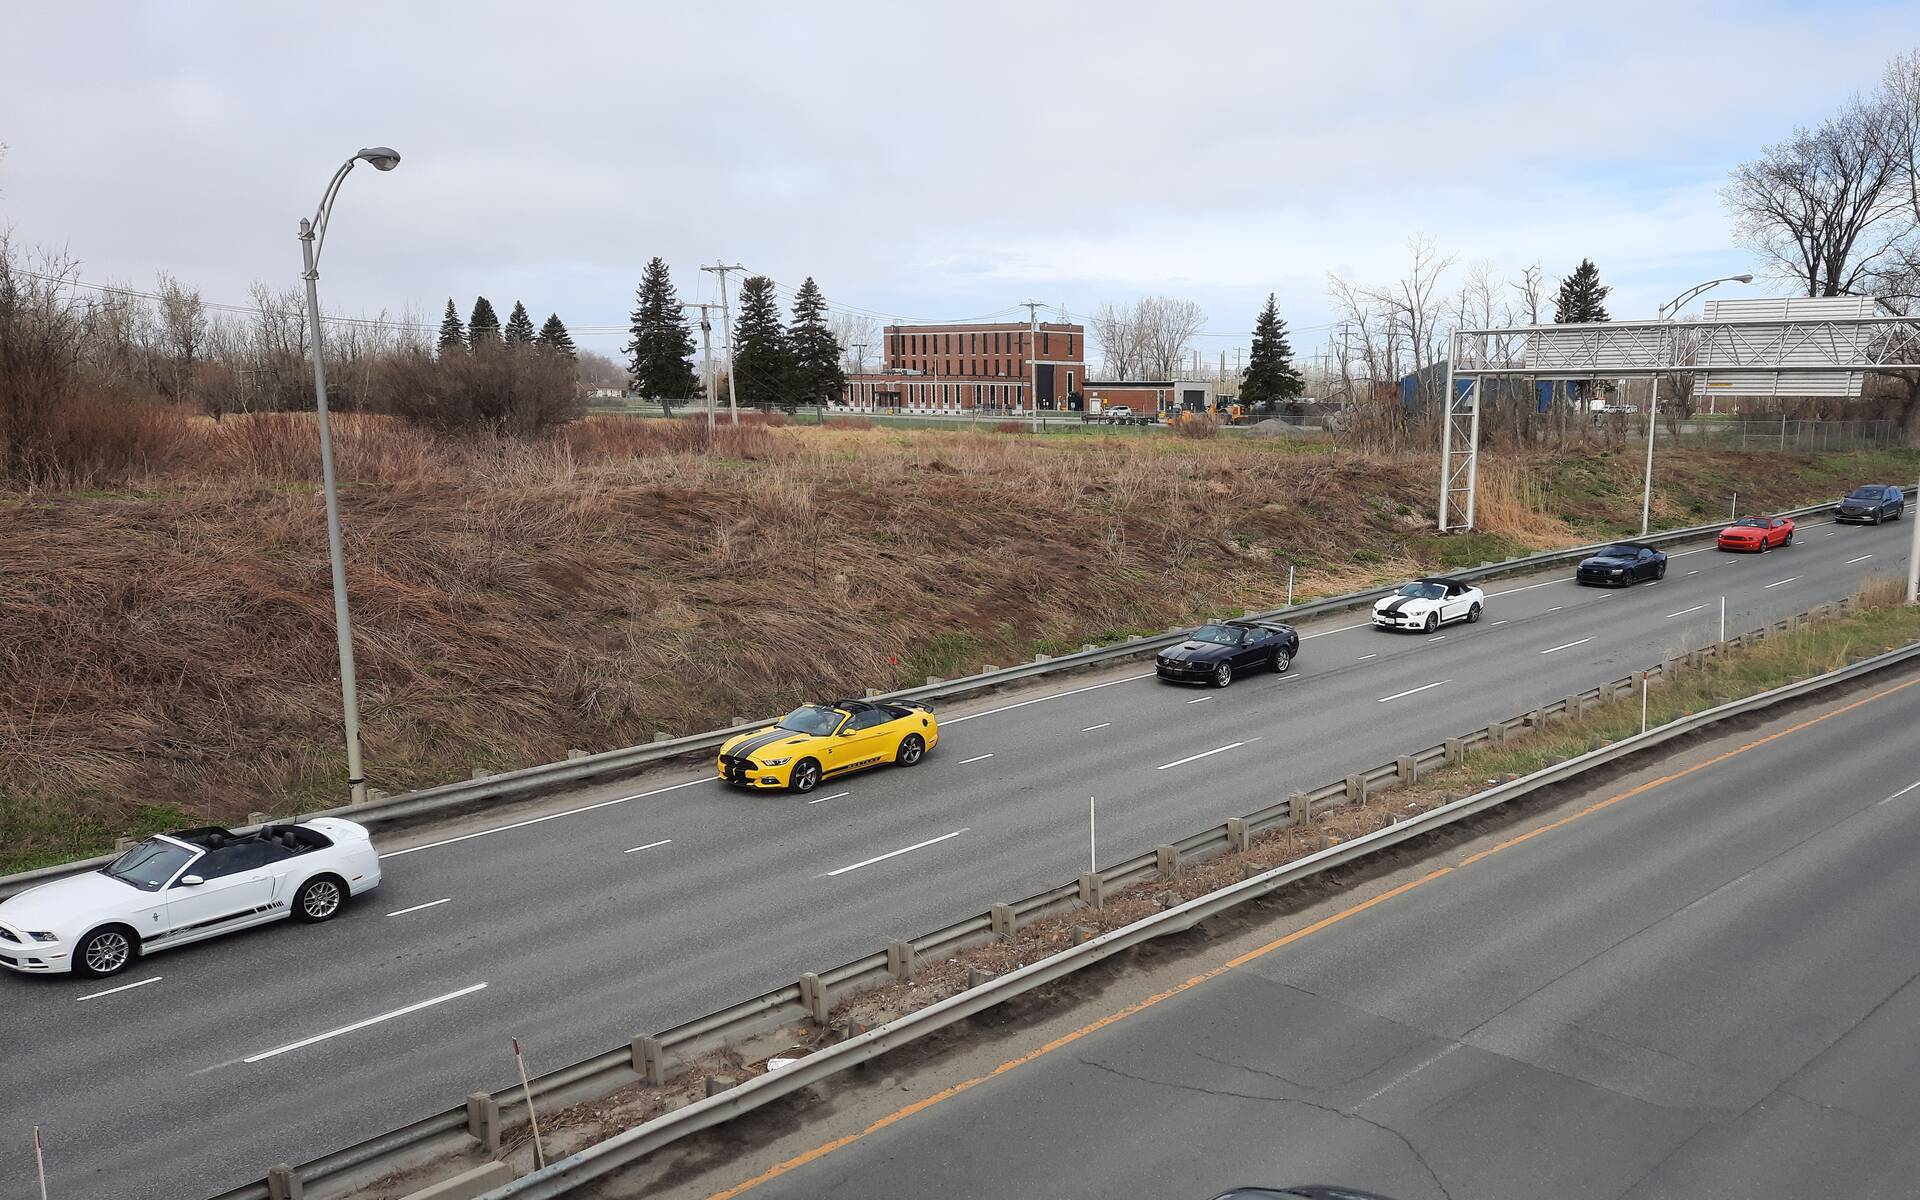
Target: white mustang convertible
<point>176,888</point>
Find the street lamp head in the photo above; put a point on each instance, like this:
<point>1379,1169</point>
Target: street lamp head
<point>382,158</point>
<point>1743,279</point>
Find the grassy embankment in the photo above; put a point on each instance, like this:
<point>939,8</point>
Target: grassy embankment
<point>169,645</point>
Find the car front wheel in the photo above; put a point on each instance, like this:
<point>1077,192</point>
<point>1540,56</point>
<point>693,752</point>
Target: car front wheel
<point>105,952</point>
<point>912,749</point>
<point>1223,675</point>
<point>805,777</point>
<point>1473,615</point>
<point>319,899</point>
<point>1433,622</point>
<point>1659,570</point>
<point>1282,659</point>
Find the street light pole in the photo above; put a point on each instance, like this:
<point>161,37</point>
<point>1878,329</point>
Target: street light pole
<point>313,236</point>
<point>1666,313</point>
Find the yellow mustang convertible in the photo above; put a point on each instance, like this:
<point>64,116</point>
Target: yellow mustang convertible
<point>816,741</point>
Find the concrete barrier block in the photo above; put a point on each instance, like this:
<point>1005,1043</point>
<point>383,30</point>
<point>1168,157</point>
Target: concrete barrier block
<point>1086,647</point>
<point>737,722</point>
<point>479,772</point>
<point>872,692</point>
<point>576,753</point>
<point>1405,769</point>
<point>1356,788</point>
<point>934,679</point>
<point>662,736</point>
<point>1076,934</point>
<point>1093,890</point>
<point>813,995</point>
<point>719,1083</point>
<point>1536,718</point>
<point>1003,920</point>
<point>483,1121</point>
<point>900,960</point>
<point>467,1185</point>
<point>1299,807</point>
<point>1456,749</point>
<point>122,844</point>
<point>1249,870</point>
<point>977,976</point>
<point>1497,732</point>
<point>988,669</point>
<point>648,1057</point>
<point>283,1183</point>
<point>257,818</point>
<point>1166,859</point>
<point>1040,658</point>
<point>1239,835</point>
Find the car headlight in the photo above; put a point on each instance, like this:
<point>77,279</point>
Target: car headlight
<point>775,762</point>
<point>42,936</point>
<point>1617,571</point>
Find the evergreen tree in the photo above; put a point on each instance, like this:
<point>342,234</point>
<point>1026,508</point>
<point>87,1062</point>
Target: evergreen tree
<point>660,356</point>
<point>519,326</point>
<point>483,327</point>
<point>813,353</point>
<point>554,336</point>
<point>453,334</point>
<point>760,347</point>
<point>1580,296</point>
<point>1270,375</point>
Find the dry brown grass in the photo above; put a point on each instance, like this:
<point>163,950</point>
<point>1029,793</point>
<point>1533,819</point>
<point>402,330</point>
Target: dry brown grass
<point>170,649</point>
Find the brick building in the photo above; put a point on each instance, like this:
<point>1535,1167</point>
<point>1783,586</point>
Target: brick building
<point>963,368</point>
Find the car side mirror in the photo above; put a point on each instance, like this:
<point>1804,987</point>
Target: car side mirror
<point>848,732</point>
<point>191,881</point>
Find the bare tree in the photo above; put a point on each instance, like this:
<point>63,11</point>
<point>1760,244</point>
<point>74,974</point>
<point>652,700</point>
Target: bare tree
<point>850,330</point>
<point>1414,301</point>
<point>1818,206</point>
<point>182,333</point>
<point>1149,340</point>
<point>596,370</point>
<point>1119,342</point>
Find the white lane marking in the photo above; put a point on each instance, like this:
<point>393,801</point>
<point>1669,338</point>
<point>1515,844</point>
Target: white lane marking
<point>1567,646</point>
<point>897,853</point>
<point>835,796</point>
<point>1441,637</point>
<point>358,1025</point>
<point>1410,691</point>
<point>125,987</point>
<point>649,846</point>
<point>1101,725</point>
<point>1776,583</point>
<point>1341,629</point>
<point>1365,657</point>
<point>549,817</point>
<point>1829,533</point>
<point>1890,799</point>
<point>1556,608</point>
<point>401,912</point>
<point>976,758</point>
<point>1851,561</point>
<point>1200,700</point>
<point>1054,696</point>
<point>1684,553</point>
<point>1683,612</point>
<point>1501,621</point>
<point>1179,762</point>
<point>1695,571</point>
<point>1528,588</point>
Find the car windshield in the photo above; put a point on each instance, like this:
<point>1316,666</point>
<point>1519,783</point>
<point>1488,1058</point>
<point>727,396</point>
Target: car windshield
<point>149,865</point>
<point>1219,635</point>
<point>1619,552</point>
<point>1752,522</point>
<point>813,719</point>
<point>1865,493</point>
<point>1418,590</point>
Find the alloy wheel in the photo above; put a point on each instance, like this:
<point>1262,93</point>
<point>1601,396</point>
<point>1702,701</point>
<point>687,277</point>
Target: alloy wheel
<point>108,952</point>
<point>321,899</point>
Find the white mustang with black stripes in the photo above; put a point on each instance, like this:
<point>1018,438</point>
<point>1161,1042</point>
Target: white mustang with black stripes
<point>176,888</point>
<point>1427,604</point>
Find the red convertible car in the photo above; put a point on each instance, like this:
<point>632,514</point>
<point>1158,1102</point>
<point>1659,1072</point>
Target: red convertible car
<point>1757,533</point>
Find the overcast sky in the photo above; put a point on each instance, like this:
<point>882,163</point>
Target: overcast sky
<point>927,161</point>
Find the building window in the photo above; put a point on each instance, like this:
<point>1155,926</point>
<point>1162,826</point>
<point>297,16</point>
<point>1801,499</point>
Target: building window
<point>1046,342</point>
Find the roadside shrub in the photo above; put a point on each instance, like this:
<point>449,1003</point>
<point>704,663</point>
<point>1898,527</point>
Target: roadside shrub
<point>849,423</point>
<point>1196,425</point>
<point>1010,427</point>
<point>508,391</point>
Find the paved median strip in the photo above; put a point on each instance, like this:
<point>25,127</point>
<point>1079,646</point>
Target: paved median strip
<point>359,1025</point>
<point>897,853</point>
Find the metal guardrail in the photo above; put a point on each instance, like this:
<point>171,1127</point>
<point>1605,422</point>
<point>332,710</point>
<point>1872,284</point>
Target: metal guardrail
<point>528,782</point>
<point>559,1178</point>
<point>812,997</point>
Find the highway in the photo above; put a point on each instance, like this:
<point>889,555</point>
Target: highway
<point>1696,981</point>
<point>624,909</point>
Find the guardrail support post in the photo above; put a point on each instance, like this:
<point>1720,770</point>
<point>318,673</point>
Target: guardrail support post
<point>1576,707</point>
<point>872,692</point>
<point>1536,718</point>
<point>483,1121</point>
<point>1239,835</point>
<point>1356,788</point>
<point>1456,750</point>
<point>813,994</point>
<point>1405,769</point>
<point>649,1060</point>
<point>1166,859</point>
<point>1002,919</point>
<point>1720,651</point>
<point>1299,808</point>
<point>1694,659</point>
<point>283,1184</point>
<point>900,960</point>
<point>1497,732</point>
<point>1093,890</point>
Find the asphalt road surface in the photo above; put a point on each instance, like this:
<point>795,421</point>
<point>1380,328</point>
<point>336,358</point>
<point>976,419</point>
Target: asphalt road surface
<point>625,909</point>
<point>1696,982</point>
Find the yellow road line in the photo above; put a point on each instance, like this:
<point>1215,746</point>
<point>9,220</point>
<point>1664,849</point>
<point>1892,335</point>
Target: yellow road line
<point>821,1151</point>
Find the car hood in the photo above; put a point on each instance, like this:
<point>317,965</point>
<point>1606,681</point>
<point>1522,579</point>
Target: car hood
<point>1745,531</point>
<point>1608,560</point>
<point>65,904</point>
<point>1404,604</point>
<point>1191,652</point>
<point>761,739</point>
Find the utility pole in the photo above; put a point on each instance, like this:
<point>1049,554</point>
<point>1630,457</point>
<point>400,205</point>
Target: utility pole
<point>706,356</point>
<point>1033,359</point>
<point>859,356</point>
<point>726,333</point>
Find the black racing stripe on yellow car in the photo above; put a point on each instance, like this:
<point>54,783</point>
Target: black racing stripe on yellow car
<point>760,741</point>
